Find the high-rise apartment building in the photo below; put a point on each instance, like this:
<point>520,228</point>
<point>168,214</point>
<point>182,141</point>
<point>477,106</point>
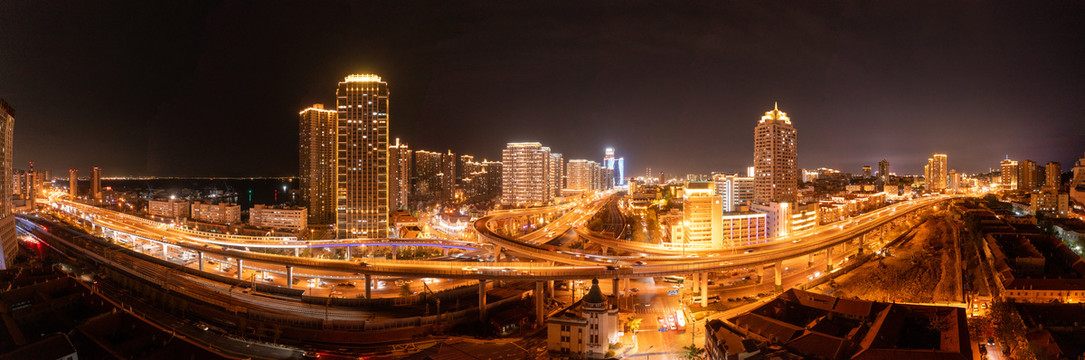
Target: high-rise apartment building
<point>557,174</point>
<point>399,169</point>
<point>583,175</point>
<point>489,184</point>
<point>73,183</point>
<point>938,169</point>
<point>448,176</point>
<point>462,165</point>
<point>1028,175</point>
<point>735,191</point>
<point>775,158</point>
<point>867,172</point>
<point>1077,180</point>
<point>1053,175</point>
<point>525,174</point>
<point>362,166</point>
<point>428,176</point>
<point>883,170</point>
<point>221,213</point>
<point>317,161</point>
<point>95,183</point>
<point>1009,174</point>
<point>9,246</point>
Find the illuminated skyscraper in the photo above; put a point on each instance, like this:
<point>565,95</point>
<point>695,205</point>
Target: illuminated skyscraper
<point>317,163</point>
<point>399,162</point>
<point>583,174</point>
<point>9,246</point>
<point>617,167</point>
<point>735,191</point>
<point>775,156</point>
<point>427,172</point>
<point>939,170</point>
<point>448,176</point>
<point>556,169</point>
<point>1009,174</point>
<point>362,166</point>
<point>96,183</point>
<point>73,183</point>
<point>525,174</point>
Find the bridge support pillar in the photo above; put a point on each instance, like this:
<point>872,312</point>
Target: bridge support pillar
<point>199,260</point>
<point>810,260</point>
<point>704,289</point>
<point>778,273</point>
<point>549,288</point>
<point>394,252</point>
<point>604,252</point>
<point>446,251</point>
<point>239,269</point>
<point>165,252</point>
<point>346,254</point>
<point>497,253</point>
<point>540,314</point>
<point>297,252</point>
<point>482,300</point>
<point>625,286</point>
<point>829,259</point>
<point>289,277</point>
<point>614,287</point>
<point>859,251</point>
<point>761,274</point>
<point>696,284</point>
<point>368,286</point>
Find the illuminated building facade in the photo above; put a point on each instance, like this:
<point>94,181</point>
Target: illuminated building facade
<point>73,183</point>
<point>556,169</point>
<point>362,166</point>
<point>1009,174</point>
<point>735,191</point>
<point>743,228</point>
<point>9,245</point>
<point>616,167</point>
<point>1077,181</point>
<point>427,171</point>
<point>171,208</point>
<point>447,177</point>
<point>1029,175</point>
<point>96,183</point>
<point>583,175</point>
<point>938,168</point>
<point>399,168</point>
<point>1053,175</point>
<point>867,172</point>
<point>317,163</point>
<point>702,216</point>
<point>525,174</point>
<point>278,217</point>
<point>775,156</point>
<point>221,213</point>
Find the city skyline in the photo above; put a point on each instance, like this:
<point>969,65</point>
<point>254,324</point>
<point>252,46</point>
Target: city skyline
<point>848,90</point>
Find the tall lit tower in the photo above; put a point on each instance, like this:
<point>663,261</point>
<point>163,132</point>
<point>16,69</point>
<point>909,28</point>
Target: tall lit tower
<point>96,183</point>
<point>775,157</point>
<point>9,246</point>
<point>939,169</point>
<point>1009,174</point>
<point>317,163</point>
<point>73,183</point>
<point>362,164</point>
<point>1053,175</point>
<point>399,162</point>
<point>525,174</point>
<point>617,165</point>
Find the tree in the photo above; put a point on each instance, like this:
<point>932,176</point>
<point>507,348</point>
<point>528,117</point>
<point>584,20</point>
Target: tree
<point>632,324</point>
<point>692,352</point>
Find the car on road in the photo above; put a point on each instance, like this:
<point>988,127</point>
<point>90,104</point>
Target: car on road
<point>671,323</point>
<point>749,251</point>
<point>612,267</point>
<point>662,323</point>
<point>634,290</point>
<point>639,263</point>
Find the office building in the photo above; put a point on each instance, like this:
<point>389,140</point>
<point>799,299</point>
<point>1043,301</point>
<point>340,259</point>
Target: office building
<point>169,208</point>
<point>702,216</point>
<point>736,192</point>
<point>775,158</point>
<point>938,167</point>
<point>787,218</point>
<point>1053,175</point>
<point>743,228</point>
<point>525,174</point>
<point>9,245</point>
<point>290,218</point>
<point>362,188</point>
<point>95,183</point>
<point>1028,175</point>
<point>317,163</point>
<point>584,331</point>
<point>73,183</point>
<point>399,169</point>
<point>221,213</point>
<point>1009,174</point>
<point>616,166</point>
<point>866,172</point>
<point>883,170</point>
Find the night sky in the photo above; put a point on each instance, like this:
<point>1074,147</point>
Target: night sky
<point>214,89</point>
